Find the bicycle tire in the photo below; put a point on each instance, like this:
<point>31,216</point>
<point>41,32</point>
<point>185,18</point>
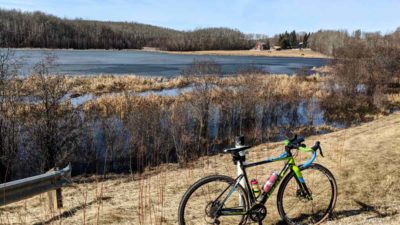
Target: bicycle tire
<point>332,201</point>
<point>202,182</point>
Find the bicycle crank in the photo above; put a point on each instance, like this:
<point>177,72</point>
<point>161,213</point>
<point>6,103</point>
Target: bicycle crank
<point>258,213</point>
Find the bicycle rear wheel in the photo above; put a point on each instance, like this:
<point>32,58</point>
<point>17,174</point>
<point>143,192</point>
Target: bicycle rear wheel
<point>293,205</point>
<point>202,201</point>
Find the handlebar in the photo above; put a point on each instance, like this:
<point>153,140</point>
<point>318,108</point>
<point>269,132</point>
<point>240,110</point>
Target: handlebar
<point>297,143</point>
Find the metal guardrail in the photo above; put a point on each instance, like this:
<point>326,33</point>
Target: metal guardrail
<point>25,188</point>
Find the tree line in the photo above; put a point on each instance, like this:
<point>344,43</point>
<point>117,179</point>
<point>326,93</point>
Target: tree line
<point>366,74</point>
<point>328,41</point>
<point>38,30</point>
<point>290,40</point>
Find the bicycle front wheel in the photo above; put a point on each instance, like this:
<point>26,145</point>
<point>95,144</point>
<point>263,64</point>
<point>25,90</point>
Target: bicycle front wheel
<point>293,204</point>
<point>209,200</point>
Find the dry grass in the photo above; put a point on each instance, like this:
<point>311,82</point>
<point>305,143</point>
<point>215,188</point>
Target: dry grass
<point>111,89</point>
<point>267,85</point>
<point>304,53</point>
<point>131,83</point>
<point>105,84</point>
<point>111,84</point>
<point>364,160</point>
<point>393,99</point>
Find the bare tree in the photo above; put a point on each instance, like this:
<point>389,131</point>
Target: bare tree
<point>8,121</point>
<point>55,123</point>
<point>39,30</point>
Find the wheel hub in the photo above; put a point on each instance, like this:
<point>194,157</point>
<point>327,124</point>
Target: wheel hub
<point>302,195</point>
<point>212,209</point>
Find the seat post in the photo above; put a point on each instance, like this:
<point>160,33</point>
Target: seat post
<point>239,142</point>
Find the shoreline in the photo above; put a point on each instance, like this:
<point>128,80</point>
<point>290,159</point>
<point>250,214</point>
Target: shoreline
<point>290,53</point>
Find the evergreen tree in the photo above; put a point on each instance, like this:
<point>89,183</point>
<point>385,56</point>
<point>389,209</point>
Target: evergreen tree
<point>267,45</point>
<point>284,41</point>
<point>293,39</point>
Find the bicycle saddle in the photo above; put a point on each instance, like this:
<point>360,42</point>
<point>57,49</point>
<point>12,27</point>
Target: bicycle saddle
<point>236,150</point>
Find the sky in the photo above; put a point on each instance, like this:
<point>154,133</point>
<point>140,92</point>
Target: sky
<point>249,16</point>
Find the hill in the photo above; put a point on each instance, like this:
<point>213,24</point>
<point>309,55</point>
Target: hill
<point>364,160</point>
<point>39,30</point>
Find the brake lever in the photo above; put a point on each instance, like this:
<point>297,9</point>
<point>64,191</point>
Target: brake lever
<point>320,151</point>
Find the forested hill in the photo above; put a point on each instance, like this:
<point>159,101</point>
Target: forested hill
<point>38,30</point>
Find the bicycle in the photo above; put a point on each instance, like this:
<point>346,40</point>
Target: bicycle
<point>226,201</point>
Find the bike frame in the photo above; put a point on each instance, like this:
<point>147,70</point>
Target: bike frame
<point>262,199</point>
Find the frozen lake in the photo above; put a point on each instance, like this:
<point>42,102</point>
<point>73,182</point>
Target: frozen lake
<point>90,62</point>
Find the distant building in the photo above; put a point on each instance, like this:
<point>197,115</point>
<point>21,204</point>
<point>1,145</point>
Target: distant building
<point>260,46</point>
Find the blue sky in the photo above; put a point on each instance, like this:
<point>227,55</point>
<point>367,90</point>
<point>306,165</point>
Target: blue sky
<point>250,16</point>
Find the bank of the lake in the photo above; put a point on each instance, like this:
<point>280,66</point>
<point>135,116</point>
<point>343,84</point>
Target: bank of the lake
<point>301,53</point>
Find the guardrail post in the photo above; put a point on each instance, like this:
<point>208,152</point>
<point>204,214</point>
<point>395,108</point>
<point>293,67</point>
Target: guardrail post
<point>55,199</point>
<point>59,198</point>
<point>55,196</point>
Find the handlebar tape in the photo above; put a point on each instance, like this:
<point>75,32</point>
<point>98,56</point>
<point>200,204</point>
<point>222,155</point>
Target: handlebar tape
<point>305,149</point>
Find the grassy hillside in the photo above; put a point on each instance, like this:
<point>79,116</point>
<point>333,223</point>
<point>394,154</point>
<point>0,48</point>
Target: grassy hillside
<point>364,160</point>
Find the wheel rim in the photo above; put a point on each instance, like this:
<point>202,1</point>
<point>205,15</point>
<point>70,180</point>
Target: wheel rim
<point>201,204</point>
<point>300,210</point>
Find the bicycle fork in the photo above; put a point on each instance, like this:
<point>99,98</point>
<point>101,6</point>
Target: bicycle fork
<point>300,181</point>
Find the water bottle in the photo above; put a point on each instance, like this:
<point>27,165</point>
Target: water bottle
<point>255,188</point>
<point>270,182</point>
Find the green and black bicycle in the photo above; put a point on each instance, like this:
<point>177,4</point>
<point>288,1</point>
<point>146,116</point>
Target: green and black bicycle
<point>307,194</point>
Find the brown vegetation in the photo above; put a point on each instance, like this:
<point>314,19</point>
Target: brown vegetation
<point>365,74</point>
<point>363,159</point>
<point>105,84</point>
<point>129,133</point>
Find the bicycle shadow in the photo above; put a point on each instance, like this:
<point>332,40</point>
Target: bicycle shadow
<point>73,211</point>
<point>364,209</point>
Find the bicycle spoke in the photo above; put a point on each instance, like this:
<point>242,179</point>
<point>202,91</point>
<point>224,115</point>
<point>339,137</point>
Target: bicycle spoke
<point>293,207</point>
<point>322,191</point>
